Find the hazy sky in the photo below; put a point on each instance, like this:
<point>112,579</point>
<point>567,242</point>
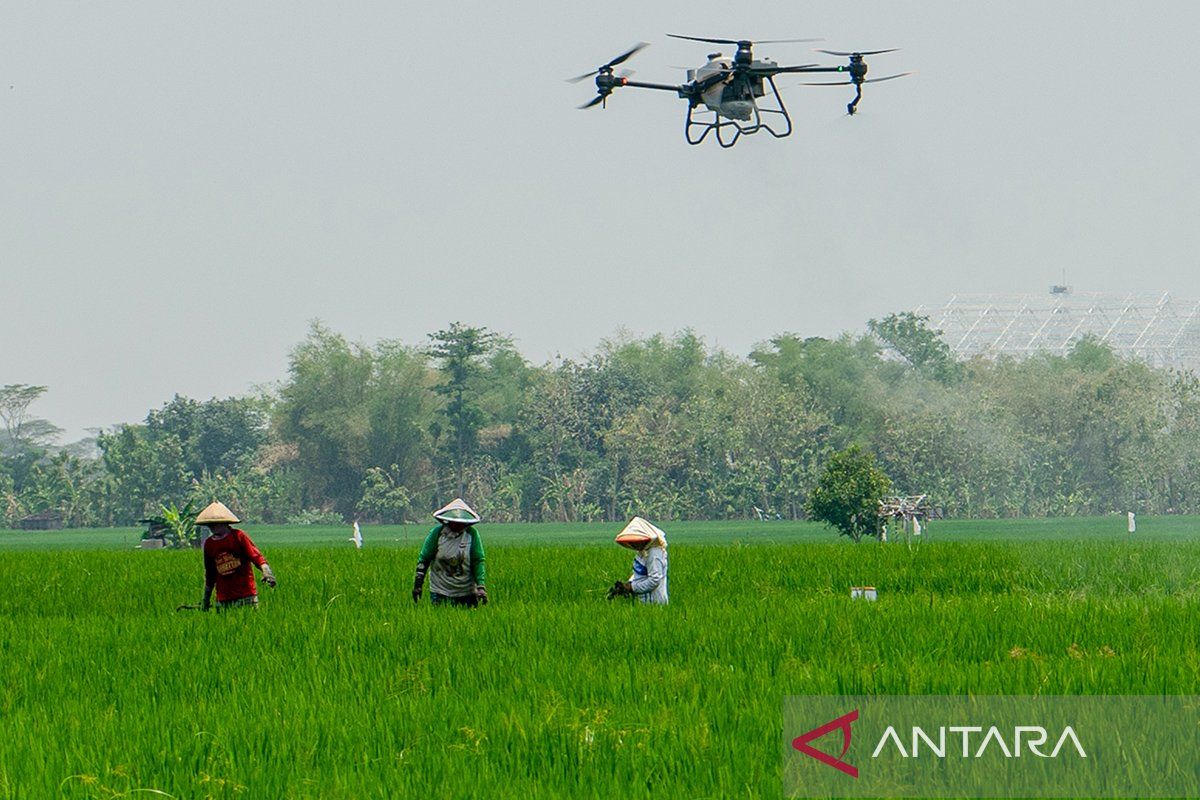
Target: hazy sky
<point>186,185</point>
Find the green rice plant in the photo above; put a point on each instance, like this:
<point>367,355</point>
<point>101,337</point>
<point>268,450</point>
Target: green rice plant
<point>340,687</point>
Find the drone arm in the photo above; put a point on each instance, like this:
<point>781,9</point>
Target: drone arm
<point>643,85</point>
<point>808,69</point>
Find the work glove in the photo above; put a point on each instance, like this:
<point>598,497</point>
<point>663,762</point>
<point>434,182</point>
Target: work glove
<point>268,575</point>
<point>481,595</point>
<point>418,583</point>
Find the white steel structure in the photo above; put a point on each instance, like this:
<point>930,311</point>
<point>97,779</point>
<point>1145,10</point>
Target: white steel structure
<point>1151,326</point>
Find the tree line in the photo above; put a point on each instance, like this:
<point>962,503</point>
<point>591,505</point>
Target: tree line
<point>663,426</point>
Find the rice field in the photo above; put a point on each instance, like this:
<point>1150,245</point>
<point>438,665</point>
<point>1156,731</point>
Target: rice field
<point>339,687</point>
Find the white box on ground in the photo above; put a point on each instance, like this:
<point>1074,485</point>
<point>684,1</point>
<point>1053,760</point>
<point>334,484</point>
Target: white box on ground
<point>867,593</point>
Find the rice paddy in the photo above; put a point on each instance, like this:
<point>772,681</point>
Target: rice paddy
<point>339,687</point>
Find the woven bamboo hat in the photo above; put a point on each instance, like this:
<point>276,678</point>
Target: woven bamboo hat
<point>216,513</point>
<point>456,510</point>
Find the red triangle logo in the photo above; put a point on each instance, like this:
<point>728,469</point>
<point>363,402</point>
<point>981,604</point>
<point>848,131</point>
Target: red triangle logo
<point>842,723</point>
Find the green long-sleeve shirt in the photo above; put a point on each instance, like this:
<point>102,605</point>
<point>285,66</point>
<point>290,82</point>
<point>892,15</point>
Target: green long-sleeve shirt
<point>456,561</point>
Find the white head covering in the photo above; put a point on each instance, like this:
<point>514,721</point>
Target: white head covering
<point>456,510</point>
<point>639,533</point>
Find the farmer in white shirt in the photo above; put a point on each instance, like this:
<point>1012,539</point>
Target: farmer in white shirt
<point>648,582</point>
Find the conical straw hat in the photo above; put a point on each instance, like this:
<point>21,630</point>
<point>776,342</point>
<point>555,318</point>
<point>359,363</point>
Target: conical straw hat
<point>639,533</point>
<point>215,513</point>
<point>456,510</point>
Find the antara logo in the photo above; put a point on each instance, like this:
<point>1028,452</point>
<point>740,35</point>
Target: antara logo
<point>1024,738</point>
<point>1029,738</point>
<point>843,723</point>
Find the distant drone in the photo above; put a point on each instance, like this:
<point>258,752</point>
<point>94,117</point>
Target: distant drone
<point>730,88</point>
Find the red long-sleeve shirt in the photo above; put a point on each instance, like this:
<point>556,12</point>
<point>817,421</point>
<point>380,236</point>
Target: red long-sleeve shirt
<point>227,561</point>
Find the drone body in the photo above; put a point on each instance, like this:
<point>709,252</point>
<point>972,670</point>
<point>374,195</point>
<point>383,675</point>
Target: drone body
<point>738,91</point>
<point>732,99</point>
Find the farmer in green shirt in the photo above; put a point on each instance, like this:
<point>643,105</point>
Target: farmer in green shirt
<point>453,557</point>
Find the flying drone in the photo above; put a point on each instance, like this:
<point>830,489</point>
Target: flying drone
<point>731,88</point>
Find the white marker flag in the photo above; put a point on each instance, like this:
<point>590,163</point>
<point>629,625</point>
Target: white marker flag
<point>357,537</point>
<point>916,527</point>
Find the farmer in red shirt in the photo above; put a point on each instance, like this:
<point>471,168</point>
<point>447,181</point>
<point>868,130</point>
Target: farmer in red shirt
<point>228,554</point>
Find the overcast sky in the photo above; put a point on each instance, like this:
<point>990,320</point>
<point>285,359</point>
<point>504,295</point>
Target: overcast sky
<point>186,185</point>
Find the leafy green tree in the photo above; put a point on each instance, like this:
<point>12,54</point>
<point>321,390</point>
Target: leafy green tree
<point>214,436</point>
<point>384,499</point>
<point>910,337</point>
<point>773,439</point>
<point>323,412</point>
<point>24,438</point>
<point>672,367</point>
<point>662,425</point>
<point>10,503</point>
<point>558,433</point>
<point>1090,354</point>
<point>1175,476</point>
<point>347,408</point>
<point>459,352</point>
<point>21,430</point>
<point>960,451</point>
<point>654,449</point>
<point>605,388</point>
<point>845,377</point>
<point>259,493</point>
<point>69,485</point>
<point>143,471</point>
<point>848,492</point>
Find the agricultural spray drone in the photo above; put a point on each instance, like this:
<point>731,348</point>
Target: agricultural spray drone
<point>731,88</point>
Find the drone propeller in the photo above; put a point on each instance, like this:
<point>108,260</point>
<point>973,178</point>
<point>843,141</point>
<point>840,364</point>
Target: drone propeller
<point>850,83</point>
<point>605,83</point>
<point>608,67</point>
<point>739,41</point>
<point>858,53</point>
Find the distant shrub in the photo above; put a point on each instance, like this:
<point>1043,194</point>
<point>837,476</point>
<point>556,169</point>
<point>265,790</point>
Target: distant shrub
<point>316,516</point>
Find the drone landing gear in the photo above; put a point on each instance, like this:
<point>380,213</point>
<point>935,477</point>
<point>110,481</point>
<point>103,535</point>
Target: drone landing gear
<point>722,125</point>
<point>718,124</point>
<point>780,109</point>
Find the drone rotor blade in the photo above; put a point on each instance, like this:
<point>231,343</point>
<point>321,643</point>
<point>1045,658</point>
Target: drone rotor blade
<point>857,52</point>
<point>739,41</point>
<point>627,54</point>
<point>597,100</point>
<point>850,83</point>
<point>703,39</point>
<point>619,59</point>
